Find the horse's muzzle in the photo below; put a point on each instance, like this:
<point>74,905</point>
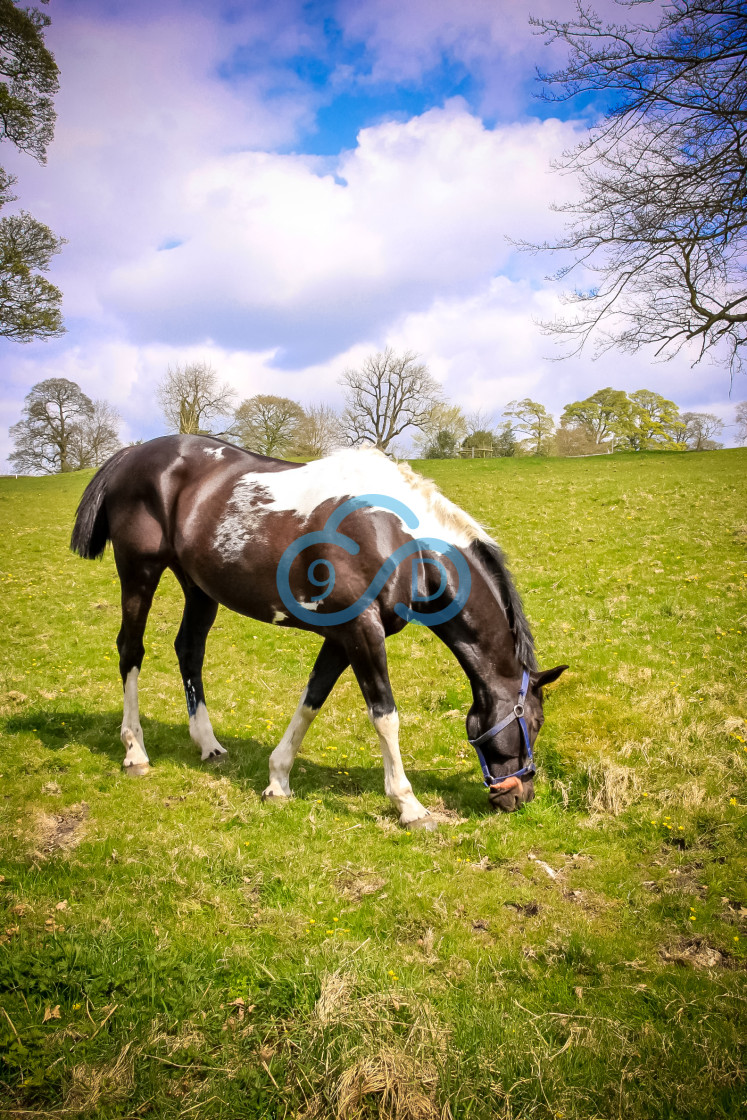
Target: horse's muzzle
<point>507,796</point>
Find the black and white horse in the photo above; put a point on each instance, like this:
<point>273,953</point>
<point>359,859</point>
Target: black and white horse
<point>351,547</point>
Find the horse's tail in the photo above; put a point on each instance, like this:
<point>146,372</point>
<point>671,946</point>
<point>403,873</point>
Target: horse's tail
<point>91,529</point>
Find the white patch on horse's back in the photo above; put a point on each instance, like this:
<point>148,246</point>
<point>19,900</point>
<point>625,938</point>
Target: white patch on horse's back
<point>349,473</point>
<point>216,452</point>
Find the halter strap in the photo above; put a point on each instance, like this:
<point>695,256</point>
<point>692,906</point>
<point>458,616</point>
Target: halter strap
<point>517,714</point>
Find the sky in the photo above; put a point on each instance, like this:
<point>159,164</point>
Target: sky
<point>281,188</point>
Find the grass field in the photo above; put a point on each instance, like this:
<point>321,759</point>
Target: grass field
<point>172,947</point>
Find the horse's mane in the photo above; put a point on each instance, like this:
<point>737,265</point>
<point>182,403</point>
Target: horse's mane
<point>492,557</point>
<point>489,553</point>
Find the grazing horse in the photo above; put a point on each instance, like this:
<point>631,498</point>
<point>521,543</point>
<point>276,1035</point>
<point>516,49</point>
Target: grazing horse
<point>262,536</point>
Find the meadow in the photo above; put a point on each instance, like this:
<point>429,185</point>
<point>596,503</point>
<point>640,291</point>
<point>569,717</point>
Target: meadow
<point>173,947</point>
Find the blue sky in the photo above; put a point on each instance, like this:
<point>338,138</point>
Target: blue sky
<point>281,188</point>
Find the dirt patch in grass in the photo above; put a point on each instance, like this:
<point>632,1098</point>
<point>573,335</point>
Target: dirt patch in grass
<point>528,909</point>
<point>60,832</point>
<point>697,953</point>
<point>356,884</point>
<point>443,815</point>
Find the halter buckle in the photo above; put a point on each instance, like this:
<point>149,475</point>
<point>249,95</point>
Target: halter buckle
<point>518,710</point>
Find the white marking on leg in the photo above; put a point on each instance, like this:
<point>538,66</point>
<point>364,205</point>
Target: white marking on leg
<point>396,782</point>
<point>284,755</point>
<point>279,616</point>
<point>201,730</point>
<point>132,732</point>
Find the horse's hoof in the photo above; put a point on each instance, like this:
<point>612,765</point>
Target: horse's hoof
<point>424,824</point>
<point>216,759</point>
<point>137,770</point>
<point>271,795</point>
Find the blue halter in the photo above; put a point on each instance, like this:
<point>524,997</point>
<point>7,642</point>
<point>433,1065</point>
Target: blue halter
<point>517,714</point>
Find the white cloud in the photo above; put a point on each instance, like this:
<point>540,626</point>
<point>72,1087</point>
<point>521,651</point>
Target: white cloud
<point>275,252</point>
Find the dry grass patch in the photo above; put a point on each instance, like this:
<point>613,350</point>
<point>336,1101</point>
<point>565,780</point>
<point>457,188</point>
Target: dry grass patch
<point>611,788</point>
<point>377,1054</point>
<point>96,1086</point>
<point>390,1085</point>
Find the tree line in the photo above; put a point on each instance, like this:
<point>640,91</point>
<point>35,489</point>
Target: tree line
<point>388,398</point>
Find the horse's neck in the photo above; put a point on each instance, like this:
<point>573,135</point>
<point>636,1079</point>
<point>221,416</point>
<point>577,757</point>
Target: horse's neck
<point>481,640</point>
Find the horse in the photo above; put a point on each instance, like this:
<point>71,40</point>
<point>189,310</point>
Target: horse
<point>262,536</point>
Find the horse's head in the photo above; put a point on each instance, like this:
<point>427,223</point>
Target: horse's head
<point>503,733</point>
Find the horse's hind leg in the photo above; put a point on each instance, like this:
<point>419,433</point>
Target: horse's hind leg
<point>368,657</point>
<point>139,579</point>
<point>199,615</point>
<point>331,662</point>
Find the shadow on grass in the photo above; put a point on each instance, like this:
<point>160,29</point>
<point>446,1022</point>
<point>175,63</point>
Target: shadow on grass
<point>247,763</point>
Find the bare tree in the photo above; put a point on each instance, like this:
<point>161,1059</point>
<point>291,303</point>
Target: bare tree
<point>479,420</point>
<point>534,421</point>
<point>741,419</point>
<point>387,395</point>
<point>318,433</point>
<point>700,428</point>
<point>191,396</point>
<point>268,424</point>
<point>661,223</point>
<point>43,438</point>
<point>95,436</point>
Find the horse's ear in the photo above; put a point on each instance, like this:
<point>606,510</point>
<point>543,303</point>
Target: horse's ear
<point>547,676</point>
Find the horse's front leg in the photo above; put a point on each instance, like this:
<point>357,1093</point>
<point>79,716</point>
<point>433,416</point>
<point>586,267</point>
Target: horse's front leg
<point>199,615</point>
<point>329,665</point>
<point>368,657</point>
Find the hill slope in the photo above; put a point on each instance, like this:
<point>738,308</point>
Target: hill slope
<point>172,944</point>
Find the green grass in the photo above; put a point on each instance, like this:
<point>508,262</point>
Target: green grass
<point>382,973</point>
